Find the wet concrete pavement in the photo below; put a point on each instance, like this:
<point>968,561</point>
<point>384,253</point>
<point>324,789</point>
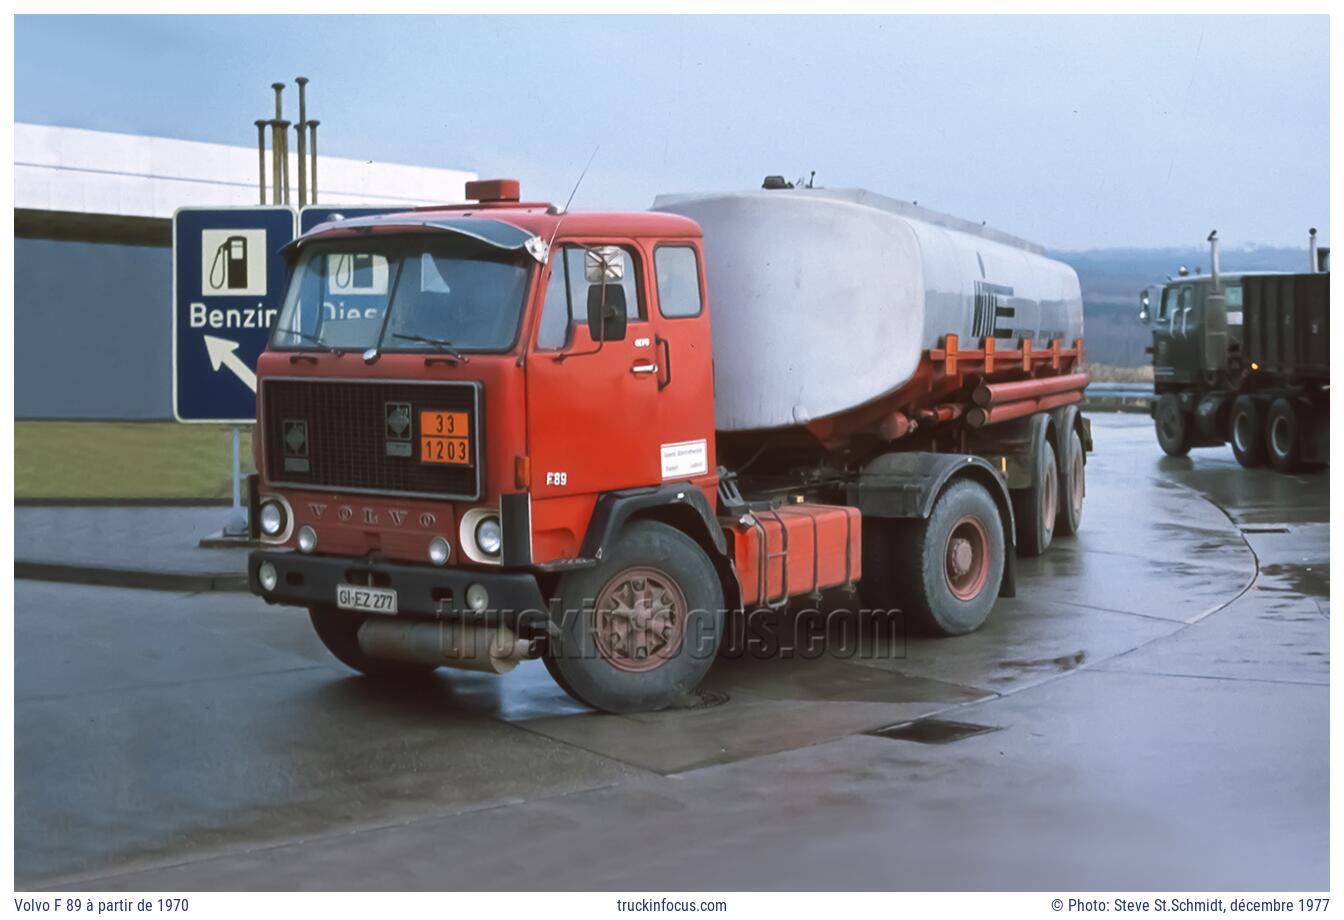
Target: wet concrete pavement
<point>1157,694</point>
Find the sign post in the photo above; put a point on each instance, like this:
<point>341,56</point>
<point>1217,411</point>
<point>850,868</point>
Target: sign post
<point>228,279</point>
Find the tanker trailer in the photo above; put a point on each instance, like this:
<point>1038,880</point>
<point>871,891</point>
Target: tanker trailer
<point>859,340</point>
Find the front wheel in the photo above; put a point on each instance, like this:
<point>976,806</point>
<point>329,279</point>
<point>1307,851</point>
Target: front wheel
<point>638,631</point>
<point>1173,426</point>
<point>943,572</point>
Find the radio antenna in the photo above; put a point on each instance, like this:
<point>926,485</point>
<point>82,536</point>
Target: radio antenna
<point>565,212</point>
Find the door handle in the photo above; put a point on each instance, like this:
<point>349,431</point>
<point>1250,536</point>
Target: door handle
<point>644,369</point>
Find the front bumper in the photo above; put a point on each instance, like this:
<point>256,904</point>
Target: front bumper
<point>423,591</point>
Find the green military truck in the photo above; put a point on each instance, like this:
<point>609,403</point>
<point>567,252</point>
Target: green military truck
<point>1243,357</point>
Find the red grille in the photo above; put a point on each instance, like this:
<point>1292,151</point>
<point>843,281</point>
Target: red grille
<point>349,436</point>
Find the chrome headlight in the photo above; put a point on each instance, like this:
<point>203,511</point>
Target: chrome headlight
<point>439,551</point>
<point>307,539</point>
<point>489,536</point>
<point>271,517</point>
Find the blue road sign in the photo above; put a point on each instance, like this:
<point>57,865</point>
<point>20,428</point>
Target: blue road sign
<point>228,280</point>
<point>313,215</point>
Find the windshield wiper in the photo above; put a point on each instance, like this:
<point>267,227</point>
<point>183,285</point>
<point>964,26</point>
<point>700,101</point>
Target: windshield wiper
<point>442,345</point>
<point>315,339</point>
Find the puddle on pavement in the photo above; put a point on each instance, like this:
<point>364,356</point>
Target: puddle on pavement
<point>1306,580</point>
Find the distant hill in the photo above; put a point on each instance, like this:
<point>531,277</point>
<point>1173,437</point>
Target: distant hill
<point>1112,278</point>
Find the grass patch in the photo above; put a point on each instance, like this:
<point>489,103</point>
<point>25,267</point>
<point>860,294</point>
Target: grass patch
<point>110,460</point>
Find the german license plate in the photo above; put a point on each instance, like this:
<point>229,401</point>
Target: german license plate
<point>367,600</point>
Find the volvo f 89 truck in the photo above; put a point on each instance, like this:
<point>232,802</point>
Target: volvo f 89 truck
<point>501,431</point>
<point>1244,357</point>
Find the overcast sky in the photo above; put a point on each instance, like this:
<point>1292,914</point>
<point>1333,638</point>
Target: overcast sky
<point>1075,132</point>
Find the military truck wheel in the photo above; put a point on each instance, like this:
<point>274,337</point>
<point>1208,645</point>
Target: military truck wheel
<point>1073,484</point>
<point>1283,436</point>
<point>640,629</point>
<point>943,572</point>
<point>1036,507</point>
<point>339,632</point>
<point>1173,426</point>
<point>1247,431</point>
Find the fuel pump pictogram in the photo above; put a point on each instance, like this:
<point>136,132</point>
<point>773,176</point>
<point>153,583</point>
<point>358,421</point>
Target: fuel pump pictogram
<point>228,271</point>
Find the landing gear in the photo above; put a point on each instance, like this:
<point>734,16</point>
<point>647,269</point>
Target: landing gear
<point>1173,426</point>
<point>1248,431</point>
<point>943,572</point>
<point>638,631</point>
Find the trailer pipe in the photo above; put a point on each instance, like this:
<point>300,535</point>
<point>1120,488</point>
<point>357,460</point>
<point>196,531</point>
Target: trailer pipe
<point>981,416</point>
<point>996,394</point>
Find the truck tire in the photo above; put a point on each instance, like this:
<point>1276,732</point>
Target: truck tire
<point>339,632</point>
<point>942,572</point>
<point>1173,426</point>
<point>1246,431</point>
<point>1283,436</point>
<point>1036,507</point>
<point>640,629</point>
<point>1073,484</point>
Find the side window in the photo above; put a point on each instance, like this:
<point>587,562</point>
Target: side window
<point>566,300</point>
<point>1168,304</point>
<point>678,277</point>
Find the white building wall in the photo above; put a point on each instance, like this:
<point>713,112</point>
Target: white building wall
<point>102,172</point>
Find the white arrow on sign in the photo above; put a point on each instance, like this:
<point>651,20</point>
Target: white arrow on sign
<point>225,352</point>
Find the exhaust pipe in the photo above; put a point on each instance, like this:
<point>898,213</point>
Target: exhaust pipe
<point>1215,317</point>
<point>261,158</point>
<point>493,649</point>
<point>302,128</point>
<point>1315,252</point>
<point>1213,260</point>
<point>312,153</point>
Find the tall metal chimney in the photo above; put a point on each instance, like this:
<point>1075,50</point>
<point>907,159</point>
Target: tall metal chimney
<point>1314,250</point>
<point>302,129</point>
<point>261,158</point>
<point>312,153</point>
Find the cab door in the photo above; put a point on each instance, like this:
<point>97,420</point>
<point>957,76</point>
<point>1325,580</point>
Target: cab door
<point>1177,345</point>
<point>681,336</point>
<point>592,406</point>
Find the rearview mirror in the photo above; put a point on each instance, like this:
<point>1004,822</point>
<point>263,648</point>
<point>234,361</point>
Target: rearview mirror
<point>606,312</point>
<point>1143,306</point>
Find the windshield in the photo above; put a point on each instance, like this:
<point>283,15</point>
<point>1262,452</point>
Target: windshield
<point>403,295</point>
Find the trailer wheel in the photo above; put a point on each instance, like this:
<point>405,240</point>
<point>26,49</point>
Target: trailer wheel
<point>639,630</point>
<point>1283,436</point>
<point>943,572</point>
<point>1036,507</point>
<point>1173,426</point>
<point>1073,483</point>
<point>1247,431</point>
<point>339,632</point>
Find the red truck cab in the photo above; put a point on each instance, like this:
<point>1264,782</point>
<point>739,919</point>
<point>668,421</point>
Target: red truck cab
<point>448,395</point>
